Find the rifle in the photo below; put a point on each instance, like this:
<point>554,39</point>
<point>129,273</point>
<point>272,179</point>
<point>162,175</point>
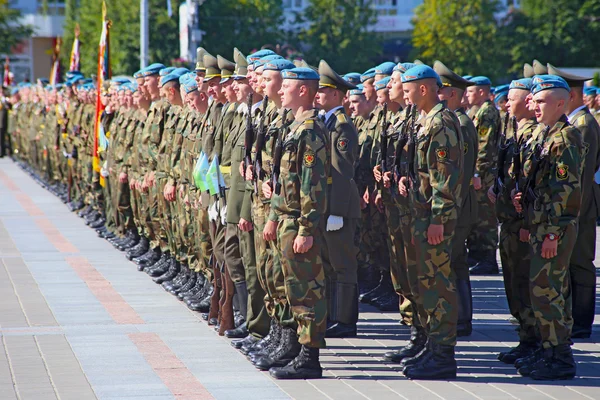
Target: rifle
<point>277,153</point>
<point>412,152</point>
<point>502,150</point>
<point>249,139</point>
<point>384,145</point>
<point>516,157</point>
<point>260,144</point>
<point>402,140</point>
<point>537,160</point>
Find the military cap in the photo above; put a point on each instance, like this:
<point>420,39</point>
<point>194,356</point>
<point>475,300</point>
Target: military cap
<point>590,90</point>
<point>539,68</point>
<point>382,83</point>
<point>262,61</point>
<point>352,77</point>
<point>153,69</point>
<point>522,84</point>
<point>226,67</point>
<point>449,78</point>
<point>420,72</point>
<point>258,55</point>
<point>548,82</point>
<point>241,65</point>
<point>528,71</point>
<point>166,71</point>
<point>71,74</point>
<point>572,80</point>
<point>467,77</point>
<point>329,78</point>
<point>481,81</point>
<point>385,68</point>
<point>368,74</point>
<point>540,78</point>
<point>300,73</point>
<point>418,62</point>
<point>200,52</point>
<point>212,67</point>
<point>279,65</point>
<point>357,91</point>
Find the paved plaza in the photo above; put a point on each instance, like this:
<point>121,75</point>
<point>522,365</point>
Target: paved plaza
<point>79,322</point>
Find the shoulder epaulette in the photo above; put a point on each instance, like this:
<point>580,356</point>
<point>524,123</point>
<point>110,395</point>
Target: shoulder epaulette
<point>581,120</point>
<point>341,117</point>
<point>309,124</point>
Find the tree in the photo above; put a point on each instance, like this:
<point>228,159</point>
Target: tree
<point>339,31</point>
<point>11,31</point>
<point>460,33</point>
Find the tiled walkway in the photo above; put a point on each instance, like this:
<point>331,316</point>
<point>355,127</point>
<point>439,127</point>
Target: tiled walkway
<point>77,321</point>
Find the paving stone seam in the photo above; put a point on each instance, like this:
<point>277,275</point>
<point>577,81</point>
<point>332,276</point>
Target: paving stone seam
<point>502,390</point>
<point>39,349</point>
<point>317,389</point>
<point>12,283</point>
<point>10,368</point>
<point>395,391</point>
<point>465,390</point>
<point>579,393</point>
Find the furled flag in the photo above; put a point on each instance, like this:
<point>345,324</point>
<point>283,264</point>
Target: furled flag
<point>212,177</point>
<point>7,80</point>
<point>75,64</point>
<point>55,71</point>
<point>200,172</point>
<point>104,74</point>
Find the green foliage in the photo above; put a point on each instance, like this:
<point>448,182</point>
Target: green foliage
<point>11,31</point>
<point>338,31</point>
<point>461,33</point>
<point>596,80</point>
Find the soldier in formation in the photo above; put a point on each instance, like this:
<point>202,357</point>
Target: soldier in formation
<point>272,197</point>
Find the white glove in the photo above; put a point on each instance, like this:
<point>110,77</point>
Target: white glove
<point>334,223</point>
<point>223,214</point>
<point>104,173</point>
<point>212,212</point>
<point>67,155</point>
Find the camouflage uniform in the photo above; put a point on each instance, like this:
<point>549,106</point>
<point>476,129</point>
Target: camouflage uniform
<point>299,209</point>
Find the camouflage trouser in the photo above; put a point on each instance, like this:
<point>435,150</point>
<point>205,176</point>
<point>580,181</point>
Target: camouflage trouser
<point>484,236</point>
<point>264,254</point>
<point>372,243</point>
<point>515,256</point>
<point>109,209</point>
<point>304,278</point>
<point>154,215</point>
<point>186,230</point>
<point>124,206</point>
<point>437,286</point>
<point>551,287</point>
<point>162,219</point>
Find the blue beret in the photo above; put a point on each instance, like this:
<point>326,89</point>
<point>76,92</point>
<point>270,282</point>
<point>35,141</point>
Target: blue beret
<point>279,65</point>
<point>300,73</point>
<point>258,55</point>
<point>153,69</point>
<point>44,81</point>
<point>180,71</point>
<point>385,68</point>
<point>402,67</point>
<point>352,77</point>
<point>184,78</point>
<point>120,81</point>
<point>555,82</point>
<point>492,90</point>
<point>166,71</point>
<point>173,76</point>
<point>359,90</point>
<point>14,91</point>
<point>467,77</point>
<point>590,90</point>
<point>138,74</point>
<point>190,85</point>
<point>540,78</point>
<point>382,83</point>
<point>368,74</point>
<point>481,81</point>
<point>500,95</point>
<point>262,61</point>
<point>419,72</point>
<point>523,84</point>
<point>502,88</point>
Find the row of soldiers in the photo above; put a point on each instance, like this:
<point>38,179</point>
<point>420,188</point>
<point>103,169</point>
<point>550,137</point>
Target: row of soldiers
<point>262,193</point>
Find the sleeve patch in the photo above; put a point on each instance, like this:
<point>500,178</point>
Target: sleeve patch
<point>562,172</point>
<point>310,159</point>
<point>442,154</point>
<point>466,148</point>
<point>342,144</point>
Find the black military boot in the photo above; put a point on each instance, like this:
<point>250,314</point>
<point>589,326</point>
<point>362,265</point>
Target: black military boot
<point>272,336</point>
<point>487,266</point>
<point>202,304</point>
<point>473,258</point>
<point>154,256</point>
<point>389,301</point>
<point>172,272</point>
<point>412,361</point>
<point>464,326</point>
<point>193,277</point>
<point>177,281</point>
<point>584,309</point>
<point>194,290</point>
<point>149,253</point>
<point>385,287</point>
<point>417,342</point>
<point>247,341</point>
<point>523,350</point>
<point>368,279</point>
<point>525,365</point>
<point>160,267</point>
<point>343,306</point>
<point>439,364</point>
<point>557,364</point>
<point>305,366</point>
<point>241,297</point>
<point>288,349</point>
<point>139,249</point>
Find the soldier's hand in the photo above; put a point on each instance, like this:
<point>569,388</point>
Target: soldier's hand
<point>132,184</point>
<point>302,244</point>
<point>491,195</point>
<point>379,203</point>
<point>477,183</point>
<point>245,226</point>
<point>363,203</point>
<point>186,200</point>
<point>435,234</point>
<point>524,235</point>
<point>249,173</point>
<point>181,192</point>
<point>377,173</point>
<point>170,192</point>
<point>270,231</point>
<point>266,189</point>
<point>366,196</point>
<point>123,177</point>
<point>549,248</point>
<point>403,186</point>
<point>151,179</point>
<point>517,198</point>
<point>241,170</point>
<point>387,179</point>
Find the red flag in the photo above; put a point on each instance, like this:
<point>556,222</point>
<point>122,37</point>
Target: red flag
<point>75,65</point>
<point>55,71</point>
<point>7,81</point>
<point>104,74</point>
